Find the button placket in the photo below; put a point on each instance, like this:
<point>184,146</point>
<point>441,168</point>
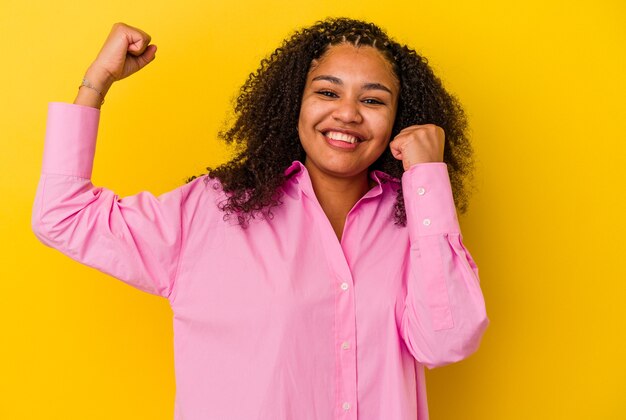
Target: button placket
<point>346,353</point>
<point>345,325</point>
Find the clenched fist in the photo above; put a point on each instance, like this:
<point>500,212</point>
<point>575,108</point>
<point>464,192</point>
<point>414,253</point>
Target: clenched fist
<point>418,144</point>
<point>125,51</point>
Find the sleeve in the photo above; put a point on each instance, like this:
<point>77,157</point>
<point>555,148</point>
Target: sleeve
<point>136,239</point>
<point>444,315</point>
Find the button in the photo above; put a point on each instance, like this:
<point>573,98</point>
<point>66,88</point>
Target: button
<point>344,286</point>
<point>346,406</point>
<point>421,191</point>
<point>426,222</point>
<point>345,345</point>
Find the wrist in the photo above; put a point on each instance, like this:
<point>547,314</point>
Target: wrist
<point>94,88</point>
<point>100,79</point>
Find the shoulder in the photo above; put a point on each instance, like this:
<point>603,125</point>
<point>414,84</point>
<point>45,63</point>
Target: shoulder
<point>202,193</point>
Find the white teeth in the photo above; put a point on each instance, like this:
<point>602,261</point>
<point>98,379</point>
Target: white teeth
<point>335,135</point>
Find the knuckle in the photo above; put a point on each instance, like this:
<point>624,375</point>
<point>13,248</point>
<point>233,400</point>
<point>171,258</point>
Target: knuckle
<point>397,139</point>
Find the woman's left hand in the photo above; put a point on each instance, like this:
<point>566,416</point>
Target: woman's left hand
<point>418,144</point>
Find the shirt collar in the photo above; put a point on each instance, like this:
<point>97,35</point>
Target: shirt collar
<point>298,180</point>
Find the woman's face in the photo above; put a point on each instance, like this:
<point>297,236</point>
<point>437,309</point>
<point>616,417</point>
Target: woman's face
<point>348,110</point>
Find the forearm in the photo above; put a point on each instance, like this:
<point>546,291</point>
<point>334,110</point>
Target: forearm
<point>444,316</point>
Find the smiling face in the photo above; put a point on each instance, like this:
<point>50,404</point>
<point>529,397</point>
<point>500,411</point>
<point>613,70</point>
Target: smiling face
<point>348,110</point>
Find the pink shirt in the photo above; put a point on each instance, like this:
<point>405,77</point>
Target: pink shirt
<point>280,320</point>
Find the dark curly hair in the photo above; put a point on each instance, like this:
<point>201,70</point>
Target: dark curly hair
<point>264,129</point>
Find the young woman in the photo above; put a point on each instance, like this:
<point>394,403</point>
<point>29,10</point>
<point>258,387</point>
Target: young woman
<point>318,272</point>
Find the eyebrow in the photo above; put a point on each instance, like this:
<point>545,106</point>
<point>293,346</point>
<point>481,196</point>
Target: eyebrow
<point>366,86</point>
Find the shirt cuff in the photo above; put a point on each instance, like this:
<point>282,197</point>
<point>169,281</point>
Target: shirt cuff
<point>428,200</point>
<point>70,139</point>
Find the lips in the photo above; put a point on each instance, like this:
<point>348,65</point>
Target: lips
<point>344,136</point>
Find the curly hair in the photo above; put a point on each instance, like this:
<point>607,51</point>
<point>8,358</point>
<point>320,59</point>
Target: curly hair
<point>266,112</point>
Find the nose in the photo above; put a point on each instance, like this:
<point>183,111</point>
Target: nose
<point>347,111</point>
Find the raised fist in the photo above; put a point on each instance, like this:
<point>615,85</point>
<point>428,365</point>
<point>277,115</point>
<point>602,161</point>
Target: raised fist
<point>125,51</point>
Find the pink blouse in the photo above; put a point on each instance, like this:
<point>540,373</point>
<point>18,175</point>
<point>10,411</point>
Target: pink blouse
<point>280,320</point>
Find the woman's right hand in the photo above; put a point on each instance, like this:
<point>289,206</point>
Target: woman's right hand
<point>125,51</point>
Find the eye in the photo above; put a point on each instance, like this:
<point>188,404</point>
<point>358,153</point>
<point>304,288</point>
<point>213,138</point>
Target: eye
<point>327,93</point>
<point>372,101</point>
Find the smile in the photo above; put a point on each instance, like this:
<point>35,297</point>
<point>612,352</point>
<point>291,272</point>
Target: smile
<point>344,137</point>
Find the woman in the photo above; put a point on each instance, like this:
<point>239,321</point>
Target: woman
<point>318,272</point>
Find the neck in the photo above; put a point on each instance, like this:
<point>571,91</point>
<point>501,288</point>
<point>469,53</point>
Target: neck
<point>338,195</point>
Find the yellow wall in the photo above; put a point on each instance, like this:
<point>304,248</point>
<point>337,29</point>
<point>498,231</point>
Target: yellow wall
<point>544,87</point>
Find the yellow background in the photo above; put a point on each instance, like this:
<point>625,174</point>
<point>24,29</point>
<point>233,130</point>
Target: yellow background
<point>544,87</point>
